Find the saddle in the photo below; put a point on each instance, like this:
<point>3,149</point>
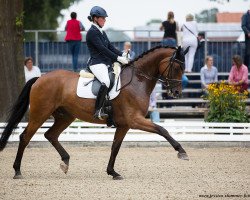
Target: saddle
<point>94,85</point>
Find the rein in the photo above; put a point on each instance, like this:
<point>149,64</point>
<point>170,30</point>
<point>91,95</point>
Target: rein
<point>133,69</point>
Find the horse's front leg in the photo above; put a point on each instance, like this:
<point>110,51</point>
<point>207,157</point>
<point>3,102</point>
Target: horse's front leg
<point>118,138</point>
<point>146,125</point>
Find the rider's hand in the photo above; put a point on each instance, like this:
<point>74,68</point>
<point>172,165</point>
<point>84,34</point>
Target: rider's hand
<point>126,55</point>
<point>122,60</point>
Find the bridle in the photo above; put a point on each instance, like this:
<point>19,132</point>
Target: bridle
<point>168,82</point>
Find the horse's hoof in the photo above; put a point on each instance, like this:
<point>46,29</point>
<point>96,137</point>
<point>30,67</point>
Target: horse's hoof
<point>117,178</point>
<point>182,156</point>
<point>64,167</point>
<point>19,176</point>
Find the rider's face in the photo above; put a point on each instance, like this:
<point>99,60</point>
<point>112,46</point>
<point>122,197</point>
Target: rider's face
<point>101,21</point>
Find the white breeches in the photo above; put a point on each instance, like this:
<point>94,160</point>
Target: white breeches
<point>189,57</point>
<point>101,73</point>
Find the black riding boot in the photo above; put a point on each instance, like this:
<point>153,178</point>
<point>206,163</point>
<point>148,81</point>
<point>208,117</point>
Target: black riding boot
<point>100,101</point>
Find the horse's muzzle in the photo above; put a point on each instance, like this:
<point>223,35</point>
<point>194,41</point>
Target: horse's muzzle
<point>176,93</point>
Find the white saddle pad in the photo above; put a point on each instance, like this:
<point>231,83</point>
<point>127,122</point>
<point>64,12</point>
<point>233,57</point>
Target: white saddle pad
<point>84,86</point>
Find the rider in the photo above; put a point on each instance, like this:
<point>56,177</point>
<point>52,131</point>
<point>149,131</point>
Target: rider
<point>102,55</point>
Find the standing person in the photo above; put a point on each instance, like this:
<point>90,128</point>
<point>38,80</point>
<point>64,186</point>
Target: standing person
<point>127,48</point>
<point>238,75</point>
<point>74,37</point>
<point>170,27</point>
<point>190,33</point>
<point>245,24</point>
<point>208,73</point>
<point>200,53</point>
<point>102,55</point>
<point>169,38</point>
<point>201,37</point>
<point>30,71</point>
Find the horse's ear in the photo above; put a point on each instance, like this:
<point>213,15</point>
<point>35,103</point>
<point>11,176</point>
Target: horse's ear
<point>178,52</point>
<point>186,50</point>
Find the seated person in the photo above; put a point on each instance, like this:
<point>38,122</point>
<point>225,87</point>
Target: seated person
<point>126,48</point>
<point>184,81</point>
<point>30,71</point>
<point>154,114</point>
<point>208,73</point>
<point>238,75</point>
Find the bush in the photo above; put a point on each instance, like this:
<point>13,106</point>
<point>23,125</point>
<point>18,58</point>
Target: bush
<point>226,104</point>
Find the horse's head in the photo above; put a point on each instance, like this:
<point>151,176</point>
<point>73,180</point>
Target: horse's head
<point>171,69</point>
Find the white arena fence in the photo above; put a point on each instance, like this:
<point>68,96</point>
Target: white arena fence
<point>188,131</point>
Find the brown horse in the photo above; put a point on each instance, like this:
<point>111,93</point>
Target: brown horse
<point>55,94</point>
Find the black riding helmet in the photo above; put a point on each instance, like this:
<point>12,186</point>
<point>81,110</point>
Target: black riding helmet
<point>98,12</point>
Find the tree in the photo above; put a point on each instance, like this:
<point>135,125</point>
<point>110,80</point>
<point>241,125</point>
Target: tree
<point>11,54</point>
<point>206,16</point>
<point>43,14</point>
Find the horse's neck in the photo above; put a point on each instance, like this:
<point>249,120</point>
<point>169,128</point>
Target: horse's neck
<point>138,81</point>
<point>149,66</point>
<point>145,71</point>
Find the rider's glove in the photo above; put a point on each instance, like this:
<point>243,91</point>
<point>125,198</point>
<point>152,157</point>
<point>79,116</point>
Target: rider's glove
<point>126,54</point>
<point>122,60</point>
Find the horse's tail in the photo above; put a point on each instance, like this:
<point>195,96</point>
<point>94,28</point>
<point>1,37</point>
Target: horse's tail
<point>17,112</point>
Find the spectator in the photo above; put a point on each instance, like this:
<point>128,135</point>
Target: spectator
<point>245,24</point>
<point>30,71</point>
<point>200,53</point>
<point>126,48</point>
<point>201,37</point>
<point>170,39</point>
<point>184,81</point>
<point>208,73</point>
<point>74,37</point>
<point>190,33</point>
<point>154,114</point>
<point>170,27</point>
<point>238,75</point>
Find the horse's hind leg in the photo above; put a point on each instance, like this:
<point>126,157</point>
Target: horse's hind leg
<point>25,138</point>
<point>62,121</point>
<point>37,116</point>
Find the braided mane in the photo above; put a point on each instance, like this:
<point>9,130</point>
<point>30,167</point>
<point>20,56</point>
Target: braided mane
<point>148,51</point>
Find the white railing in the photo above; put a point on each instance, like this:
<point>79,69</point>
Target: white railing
<point>181,131</point>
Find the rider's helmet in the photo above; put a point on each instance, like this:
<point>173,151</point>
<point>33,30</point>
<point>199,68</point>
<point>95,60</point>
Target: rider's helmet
<point>98,12</point>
